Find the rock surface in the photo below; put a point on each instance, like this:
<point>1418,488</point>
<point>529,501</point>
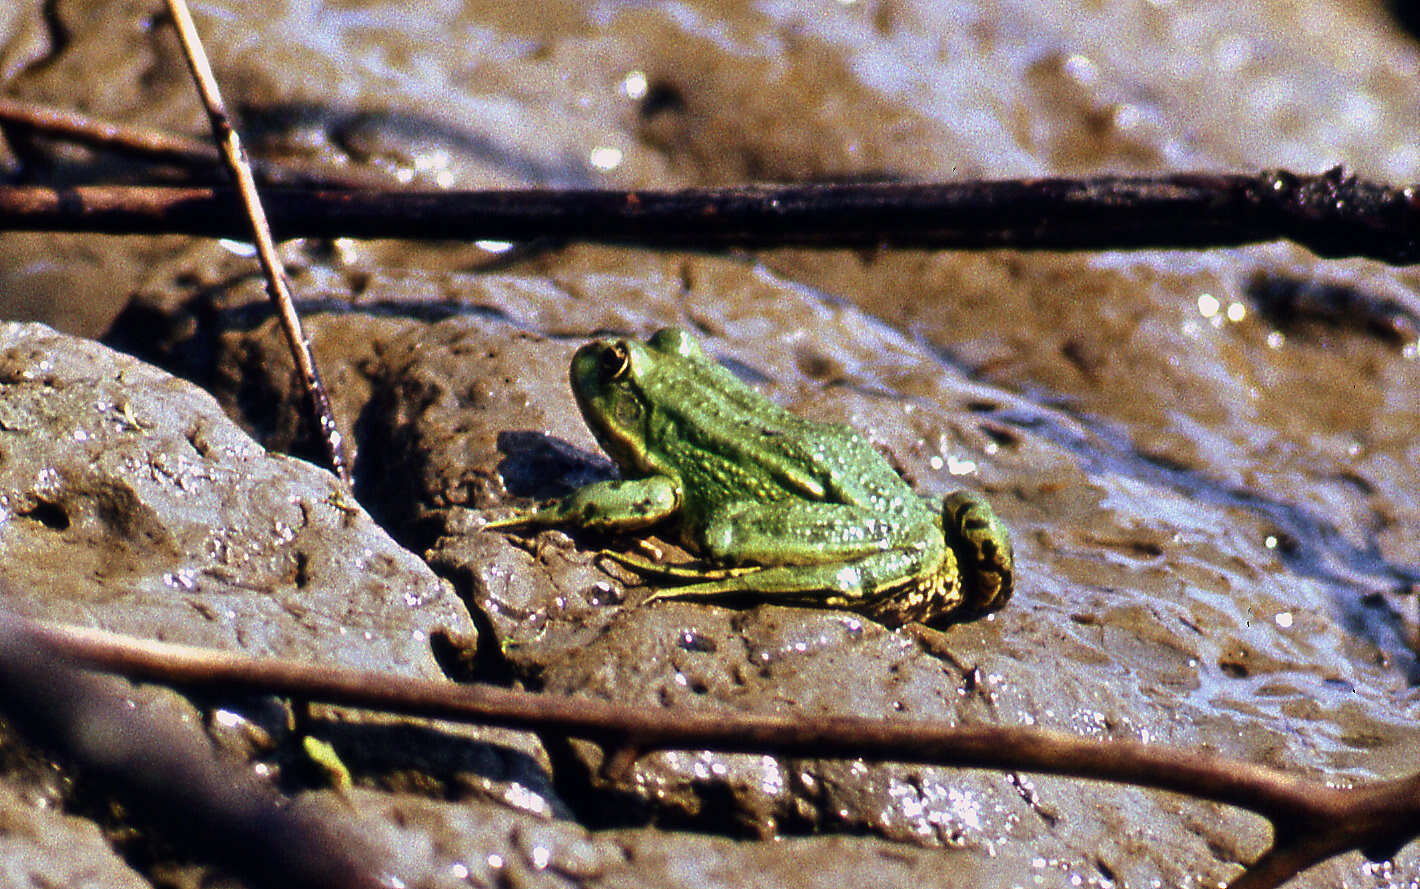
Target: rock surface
<point>41,846</point>
<point>134,504</point>
<point>475,412</point>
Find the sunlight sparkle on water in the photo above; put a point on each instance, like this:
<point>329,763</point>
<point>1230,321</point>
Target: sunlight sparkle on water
<point>960,467</point>
<point>635,85</point>
<point>605,158</point>
<point>237,248</point>
<point>1081,69</point>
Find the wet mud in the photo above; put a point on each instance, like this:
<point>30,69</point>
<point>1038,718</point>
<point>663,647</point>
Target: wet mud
<point>1207,458</point>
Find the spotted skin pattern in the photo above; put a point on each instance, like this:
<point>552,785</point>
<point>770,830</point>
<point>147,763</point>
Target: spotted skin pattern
<point>781,509</point>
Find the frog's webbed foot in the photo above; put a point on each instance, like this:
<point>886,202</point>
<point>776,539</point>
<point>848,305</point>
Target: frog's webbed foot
<point>982,544</point>
<point>644,566</point>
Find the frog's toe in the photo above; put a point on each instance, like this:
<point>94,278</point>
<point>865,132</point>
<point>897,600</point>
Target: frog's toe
<point>982,545</point>
<point>493,522</point>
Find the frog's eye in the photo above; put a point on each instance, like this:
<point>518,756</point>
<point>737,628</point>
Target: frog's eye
<point>614,362</point>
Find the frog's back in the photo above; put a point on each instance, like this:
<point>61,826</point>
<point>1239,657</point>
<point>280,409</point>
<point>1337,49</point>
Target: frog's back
<point>729,442</point>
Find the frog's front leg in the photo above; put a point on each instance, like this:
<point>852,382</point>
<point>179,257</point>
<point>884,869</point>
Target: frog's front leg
<point>622,505</point>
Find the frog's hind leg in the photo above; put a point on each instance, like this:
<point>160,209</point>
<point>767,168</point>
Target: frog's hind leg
<point>750,535</point>
<point>807,533</point>
<point>982,545</point>
<point>894,586</point>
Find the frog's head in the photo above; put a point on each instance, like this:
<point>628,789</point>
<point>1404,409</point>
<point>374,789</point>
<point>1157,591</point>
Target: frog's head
<point>985,560</point>
<point>607,378</point>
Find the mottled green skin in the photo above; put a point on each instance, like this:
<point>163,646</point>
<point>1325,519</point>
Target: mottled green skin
<point>797,512</point>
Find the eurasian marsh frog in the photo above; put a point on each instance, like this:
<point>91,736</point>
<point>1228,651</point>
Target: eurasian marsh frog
<point>787,510</point>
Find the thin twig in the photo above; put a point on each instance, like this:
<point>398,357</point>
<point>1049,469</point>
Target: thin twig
<point>165,769</point>
<point>163,147</point>
<point>277,285</point>
<point>1312,819</point>
<point>1332,214</point>
<point>154,145</point>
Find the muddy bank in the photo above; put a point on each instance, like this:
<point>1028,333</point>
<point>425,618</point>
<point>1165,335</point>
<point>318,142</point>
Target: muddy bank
<point>1212,498</point>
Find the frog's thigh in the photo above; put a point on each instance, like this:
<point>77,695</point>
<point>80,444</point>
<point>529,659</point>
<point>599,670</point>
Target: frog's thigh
<point>805,533</point>
<point>832,584</point>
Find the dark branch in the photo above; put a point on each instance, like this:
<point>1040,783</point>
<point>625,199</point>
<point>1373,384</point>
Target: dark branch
<point>1312,820</point>
<point>1267,791</point>
<point>1332,214</point>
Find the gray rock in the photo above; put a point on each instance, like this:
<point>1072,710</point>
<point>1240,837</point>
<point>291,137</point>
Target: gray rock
<point>1129,622</point>
<point>42,846</point>
<point>434,844</point>
<point>132,503</point>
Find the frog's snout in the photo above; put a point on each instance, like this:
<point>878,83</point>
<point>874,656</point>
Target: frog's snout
<point>982,544</point>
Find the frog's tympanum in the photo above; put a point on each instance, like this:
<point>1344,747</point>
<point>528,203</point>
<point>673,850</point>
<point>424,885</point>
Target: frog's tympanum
<point>785,510</point>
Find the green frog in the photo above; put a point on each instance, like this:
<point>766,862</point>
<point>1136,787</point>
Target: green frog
<point>781,508</point>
